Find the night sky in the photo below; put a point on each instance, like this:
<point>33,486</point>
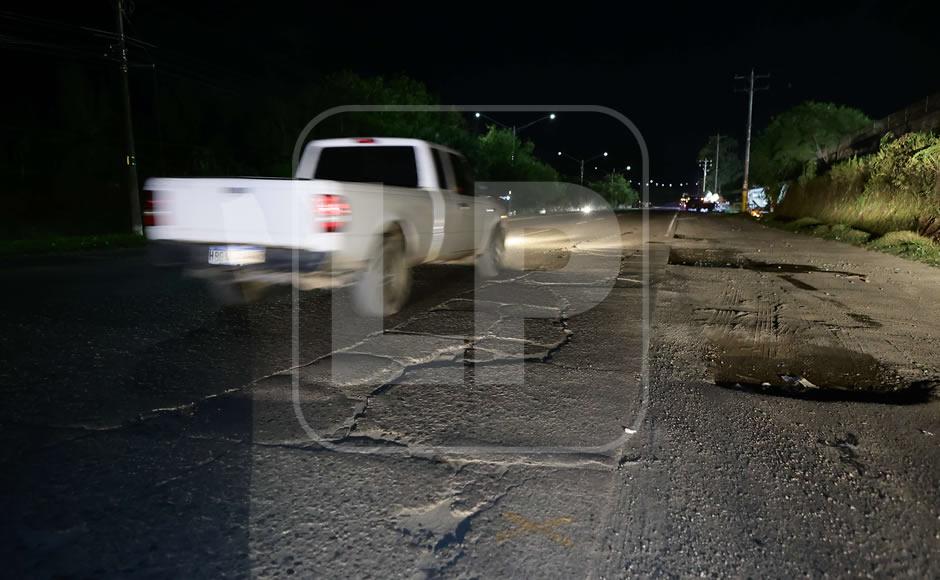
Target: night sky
<point>668,67</point>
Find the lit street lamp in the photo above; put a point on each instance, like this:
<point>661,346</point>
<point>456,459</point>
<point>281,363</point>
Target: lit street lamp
<point>582,161</point>
<point>514,128</point>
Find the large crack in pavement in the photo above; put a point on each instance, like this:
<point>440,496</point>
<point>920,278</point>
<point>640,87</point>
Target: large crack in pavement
<point>492,346</point>
<point>459,351</point>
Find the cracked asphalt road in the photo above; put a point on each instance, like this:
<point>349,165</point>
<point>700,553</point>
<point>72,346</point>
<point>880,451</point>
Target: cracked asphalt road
<point>502,429</point>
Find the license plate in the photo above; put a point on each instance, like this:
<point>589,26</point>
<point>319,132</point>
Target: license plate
<point>235,255</point>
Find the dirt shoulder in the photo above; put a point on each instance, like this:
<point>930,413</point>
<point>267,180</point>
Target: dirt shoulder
<point>776,310</point>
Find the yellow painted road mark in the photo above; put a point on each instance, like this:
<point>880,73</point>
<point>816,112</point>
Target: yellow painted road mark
<point>524,527</point>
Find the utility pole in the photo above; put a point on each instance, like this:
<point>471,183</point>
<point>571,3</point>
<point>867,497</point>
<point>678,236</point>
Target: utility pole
<point>130,156</point>
<point>717,152</point>
<point>704,163</point>
<point>747,145</point>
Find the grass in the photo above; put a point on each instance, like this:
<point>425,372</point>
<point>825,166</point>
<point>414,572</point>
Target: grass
<point>843,233</point>
<point>893,194</point>
<point>800,225</point>
<point>895,189</point>
<point>57,244</point>
<point>815,227</point>
<point>904,243</point>
<point>839,202</point>
<point>908,245</point>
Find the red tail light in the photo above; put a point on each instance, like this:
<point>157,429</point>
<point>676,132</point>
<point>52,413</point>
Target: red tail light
<point>332,212</point>
<point>155,210</point>
<point>150,217</point>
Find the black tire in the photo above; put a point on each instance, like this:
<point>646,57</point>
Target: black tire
<point>384,286</point>
<point>490,262</point>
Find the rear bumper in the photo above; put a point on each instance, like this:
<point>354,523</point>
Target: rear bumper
<point>195,256</point>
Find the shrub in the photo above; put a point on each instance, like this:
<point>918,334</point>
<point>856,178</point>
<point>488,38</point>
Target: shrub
<point>809,172</point>
<point>909,163</point>
<point>897,188</point>
<point>849,172</point>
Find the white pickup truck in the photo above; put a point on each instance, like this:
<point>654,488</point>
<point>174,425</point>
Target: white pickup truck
<point>362,211</point>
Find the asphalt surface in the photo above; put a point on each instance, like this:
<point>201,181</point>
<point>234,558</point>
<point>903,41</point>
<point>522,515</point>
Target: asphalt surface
<point>686,395</point>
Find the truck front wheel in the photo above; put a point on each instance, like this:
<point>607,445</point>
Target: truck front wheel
<point>385,285</point>
<point>490,262</point>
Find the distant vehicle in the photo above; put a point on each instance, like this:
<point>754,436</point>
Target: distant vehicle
<point>699,204</point>
<point>358,211</point>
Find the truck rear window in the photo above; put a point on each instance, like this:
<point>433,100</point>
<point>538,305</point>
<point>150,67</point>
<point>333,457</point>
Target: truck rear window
<point>390,165</point>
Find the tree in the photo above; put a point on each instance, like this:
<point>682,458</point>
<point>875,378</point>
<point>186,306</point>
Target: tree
<point>796,137</point>
<point>490,154</point>
<point>207,127</point>
<point>446,128</point>
<point>495,158</point>
<point>616,190</point>
<point>730,167</point>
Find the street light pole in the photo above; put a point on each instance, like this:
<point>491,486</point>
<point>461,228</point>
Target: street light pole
<point>581,161</point>
<point>515,130</point>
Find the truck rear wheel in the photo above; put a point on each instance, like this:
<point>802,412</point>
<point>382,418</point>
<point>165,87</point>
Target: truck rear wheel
<point>386,283</point>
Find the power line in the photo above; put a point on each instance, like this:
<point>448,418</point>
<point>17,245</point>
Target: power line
<point>50,48</point>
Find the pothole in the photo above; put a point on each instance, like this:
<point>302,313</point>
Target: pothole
<point>814,371</point>
<point>705,257</point>
<point>725,258</point>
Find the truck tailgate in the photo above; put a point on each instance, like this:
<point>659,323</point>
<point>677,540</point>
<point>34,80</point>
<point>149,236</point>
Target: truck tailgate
<point>266,212</point>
